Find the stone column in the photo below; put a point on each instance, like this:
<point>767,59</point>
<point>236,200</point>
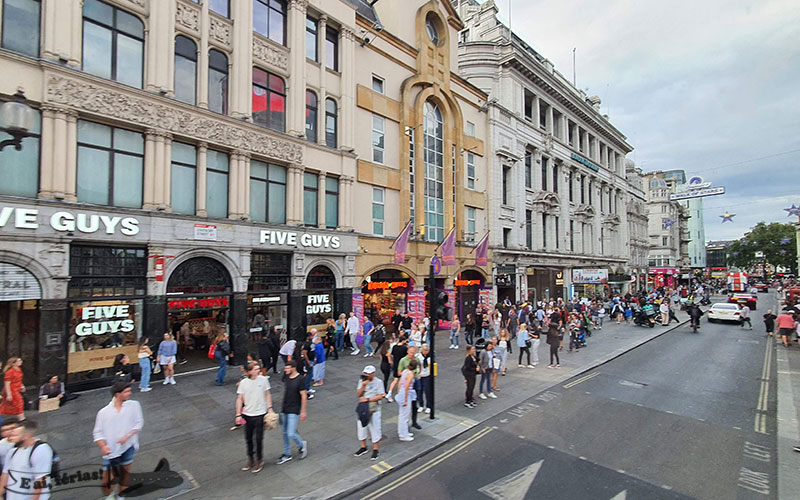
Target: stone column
<point>535,111</point>
<point>71,159</point>
<point>202,58</point>
<point>346,202</point>
<point>563,192</point>
<point>321,51</point>
<point>549,125</point>
<point>61,28</point>
<point>59,154</point>
<point>161,172</point>
<point>166,162</point>
<point>294,195</point>
<point>346,120</point>
<point>150,176</point>
<point>241,69</point>
<point>234,175</point>
<point>244,186</point>
<point>159,50</point>
<point>321,200</point>
<point>537,170</point>
<point>200,184</point>
<point>296,31</point>
<point>598,218</point>
<point>47,170</point>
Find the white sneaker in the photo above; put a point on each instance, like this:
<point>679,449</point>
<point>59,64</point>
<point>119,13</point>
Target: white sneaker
<point>482,396</point>
<point>427,410</point>
<point>172,380</point>
<point>146,389</point>
<point>531,366</point>
<point>522,366</point>
<point>411,438</point>
<point>165,382</point>
<point>367,355</point>
<point>492,395</point>
<point>389,398</point>
<point>355,353</point>
<point>420,409</point>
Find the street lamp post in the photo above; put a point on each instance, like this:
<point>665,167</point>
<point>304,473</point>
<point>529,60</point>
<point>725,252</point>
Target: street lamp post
<point>16,119</point>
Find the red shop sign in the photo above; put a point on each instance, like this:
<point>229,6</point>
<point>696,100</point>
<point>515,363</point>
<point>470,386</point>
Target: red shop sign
<point>467,282</point>
<point>198,303</point>
<point>382,285</point>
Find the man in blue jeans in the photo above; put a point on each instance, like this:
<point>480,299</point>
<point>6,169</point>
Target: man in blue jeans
<point>294,409</point>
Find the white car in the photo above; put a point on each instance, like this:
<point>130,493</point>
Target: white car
<point>724,311</point>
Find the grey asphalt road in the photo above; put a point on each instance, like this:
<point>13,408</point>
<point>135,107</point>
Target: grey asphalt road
<point>684,416</point>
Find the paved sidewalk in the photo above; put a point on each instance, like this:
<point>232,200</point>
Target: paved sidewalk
<point>788,368</point>
<point>188,424</point>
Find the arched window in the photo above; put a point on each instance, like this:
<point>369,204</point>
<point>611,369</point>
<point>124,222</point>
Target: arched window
<point>433,32</point>
<point>331,139</point>
<point>311,116</point>
<point>185,69</point>
<point>113,43</point>
<point>434,173</point>
<point>217,82</point>
<point>321,278</point>
<point>269,100</point>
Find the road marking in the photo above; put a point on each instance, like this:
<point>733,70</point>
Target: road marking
<point>760,423</point>
<point>754,481</point>
<point>433,463</point>
<point>622,495</point>
<point>377,468</point>
<point>514,486</point>
<point>756,452</point>
<point>582,379</point>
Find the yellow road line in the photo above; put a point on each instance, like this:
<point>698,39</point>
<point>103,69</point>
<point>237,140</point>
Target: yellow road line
<point>377,468</point>
<point>441,458</point>
<point>582,379</point>
<point>384,464</point>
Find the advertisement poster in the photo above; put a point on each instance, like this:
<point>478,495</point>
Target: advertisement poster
<point>590,276</point>
<point>358,306</point>
<point>486,298</point>
<point>415,304</point>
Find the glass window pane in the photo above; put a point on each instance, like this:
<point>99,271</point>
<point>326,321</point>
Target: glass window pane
<point>127,181</point>
<point>185,71</point>
<point>377,211</point>
<point>94,133</point>
<point>276,112</point>
<point>311,39</point>
<point>377,195</point>
<point>310,180</point>
<point>184,153</point>
<point>217,91</point>
<point>310,208</point>
<point>216,194</point>
<point>276,26</point>
<point>216,160</point>
<point>219,6</point>
<point>125,140</point>
<point>258,169</point>
<point>258,199</point>
<point>130,24</point>
<point>277,203</point>
<point>182,188</point>
<point>19,170</point>
<point>277,173</point>
<point>93,172</point>
<point>276,84</point>
<point>260,17</point>
<point>98,11</point>
<point>377,228</point>
<point>21,26</point>
<point>331,210</point>
<point>259,106</point>
<point>332,184</point>
<point>260,77</point>
<point>311,125</point>
<point>96,50</point>
<point>129,61</point>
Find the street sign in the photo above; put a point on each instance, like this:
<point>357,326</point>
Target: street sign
<point>437,264</point>
<point>698,193</point>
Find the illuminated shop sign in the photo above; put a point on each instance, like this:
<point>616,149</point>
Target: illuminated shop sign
<point>318,303</point>
<point>101,320</point>
<point>467,282</point>
<point>294,239</point>
<point>383,285</point>
<point>198,303</point>
<point>28,218</point>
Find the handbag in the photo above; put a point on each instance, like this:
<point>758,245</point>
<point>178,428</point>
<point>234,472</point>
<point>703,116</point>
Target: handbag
<point>212,350</point>
<point>528,344</point>
<point>496,363</point>
<point>270,420</point>
<point>359,338</point>
<point>156,369</point>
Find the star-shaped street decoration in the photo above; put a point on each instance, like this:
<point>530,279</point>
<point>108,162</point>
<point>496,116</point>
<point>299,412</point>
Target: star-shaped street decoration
<point>782,252</point>
<point>793,210</point>
<point>784,241</point>
<point>727,217</point>
<point>668,223</point>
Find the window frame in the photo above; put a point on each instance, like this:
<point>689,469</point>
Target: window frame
<point>284,13</point>
<point>472,227</point>
<point>382,204</point>
<point>37,136</point>
<point>332,194</point>
<point>227,14</point>
<point>332,138</point>
<point>227,174</point>
<point>268,182</point>
<point>172,163</point>
<point>545,173</point>
<point>226,80</point>
<point>471,178</point>
<point>312,115</point>
<point>315,190</point>
<point>434,172</point>
<point>38,30</point>
<point>382,132</point>
<point>312,31</point>
<point>332,42</point>
<point>195,61</point>
<point>268,91</point>
<point>114,34</point>
<point>381,82</point>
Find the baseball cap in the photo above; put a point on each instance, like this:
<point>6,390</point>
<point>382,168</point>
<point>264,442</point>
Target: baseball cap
<point>369,369</point>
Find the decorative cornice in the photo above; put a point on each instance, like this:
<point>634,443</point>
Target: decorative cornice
<point>270,55</point>
<point>147,113</point>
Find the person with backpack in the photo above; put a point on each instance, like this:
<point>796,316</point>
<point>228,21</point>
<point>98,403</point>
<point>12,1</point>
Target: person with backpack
<point>116,433</point>
<point>221,355</point>
<point>29,466</point>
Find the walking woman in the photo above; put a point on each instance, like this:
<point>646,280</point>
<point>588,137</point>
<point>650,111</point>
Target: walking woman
<point>524,344</point>
<point>535,334</point>
<point>221,355</point>
<point>405,395</point>
<point>469,330</point>
<point>144,364</point>
<point>455,329</point>
<point>385,351</point>
<point>503,348</point>
<point>330,329</point>
<point>167,350</point>
<point>486,364</point>
<point>340,324</point>
<point>470,371</point>
<point>12,403</point>
<point>554,341</point>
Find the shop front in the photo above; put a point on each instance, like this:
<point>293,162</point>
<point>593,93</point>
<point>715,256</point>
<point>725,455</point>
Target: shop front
<point>663,277</point>
<point>319,302</point>
<point>385,292</point>
<point>544,283</point>
<point>506,282</point>
<point>590,283</point>
<point>468,285</point>
<point>619,282</point>
<point>20,294</point>
<point>199,302</point>
<point>268,294</point>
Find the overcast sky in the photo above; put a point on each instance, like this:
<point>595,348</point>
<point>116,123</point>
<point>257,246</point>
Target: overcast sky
<point>704,86</point>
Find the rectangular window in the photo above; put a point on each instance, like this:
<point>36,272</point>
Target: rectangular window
<point>267,192</point>
<point>469,129</point>
<point>311,39</point>
<point>378,204</point>
<point>571,236</point>
<point>545,162</point>
<point>601,200</point>
<point>528,105</point>
<point>217,82</point>
<point>571,133</point>
<point>310,188</point>
<point>528,169</point>
<point>377,138</point>
<point>590,192</point>
<point>311,116</point>
<point>543,114</point>
<point>664,209</point>
<point>183,178</point>
<point>470,236</point>
<point>332,48</point>
<point>544,230</point>
<point>21,26</point>
<point>269,19</point>
<point>216,184</point>
<point>19,170</point>
<point>378,84</point>
<point>113,43</point>
<point>569,187</point>
<point>528,229</point>
<point>583,189</point>
<point>506,185</point>
<point>331,125</point>
<point>107,271</point>
<point>185,84</point>
<point>555,178</point>
<point>664,241</point>
<point>506,237</point>
<point>110,165</point>
<point>557,233</point>
<point>269,100</point>
<point>471,170</point>
<point>331,202</point>
<point>221,7</point>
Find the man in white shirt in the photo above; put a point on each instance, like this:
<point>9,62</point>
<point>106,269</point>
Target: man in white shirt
<point>27,466</point>
<point>253,401</point>
<point>116,433</point>
<point>745,316</point>
<point>352,328</point>
<point>8,442</point>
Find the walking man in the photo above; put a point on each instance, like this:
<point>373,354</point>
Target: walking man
<point>370,390</point>
<point>253,401</point>
<point>27,466</point>
<point>294,409</point>
<point>745,315</point>
<point>116,433</point>
<point>352,329</point>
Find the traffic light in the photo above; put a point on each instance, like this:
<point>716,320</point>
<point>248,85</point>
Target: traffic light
<point>441,312</point>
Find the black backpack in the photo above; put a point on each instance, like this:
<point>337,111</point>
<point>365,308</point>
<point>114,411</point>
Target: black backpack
<point>380,335</point>
<point>55,465</point>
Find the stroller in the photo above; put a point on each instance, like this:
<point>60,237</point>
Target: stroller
<point>577,338</point>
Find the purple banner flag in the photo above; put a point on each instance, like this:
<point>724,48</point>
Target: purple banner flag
<point>448,247</point>
<point>400,245</point>
<point>482,252</point>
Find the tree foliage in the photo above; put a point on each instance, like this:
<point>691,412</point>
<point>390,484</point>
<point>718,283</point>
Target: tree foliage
<point>777,241</point>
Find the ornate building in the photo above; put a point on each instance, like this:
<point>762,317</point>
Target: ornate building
<point>667,230</point>
<point>558,187</point>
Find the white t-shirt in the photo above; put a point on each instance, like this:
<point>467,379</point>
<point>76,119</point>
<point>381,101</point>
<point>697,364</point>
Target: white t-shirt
<point>24,471</point>
<point>255,402</point>
<point>5,446</point>
<point>287,349</point>
<point>111,425</point>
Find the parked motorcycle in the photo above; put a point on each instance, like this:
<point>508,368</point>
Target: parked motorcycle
<point>641,318</point>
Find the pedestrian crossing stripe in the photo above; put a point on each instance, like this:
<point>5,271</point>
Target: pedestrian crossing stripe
<point>381,467</point>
